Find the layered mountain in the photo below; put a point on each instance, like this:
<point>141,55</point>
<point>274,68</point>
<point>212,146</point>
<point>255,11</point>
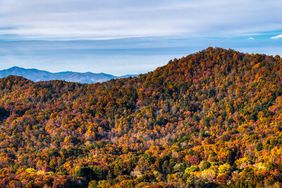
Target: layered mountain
<point>39,75</point>
<point>210,119</point>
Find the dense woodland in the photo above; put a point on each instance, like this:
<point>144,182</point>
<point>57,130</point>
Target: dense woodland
<point>211,119</point>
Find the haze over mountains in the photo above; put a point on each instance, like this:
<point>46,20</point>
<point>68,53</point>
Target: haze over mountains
<point>40,75</point>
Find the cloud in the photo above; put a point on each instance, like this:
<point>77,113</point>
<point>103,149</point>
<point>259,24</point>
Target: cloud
<point>277,37</point>
<point>104,19</point>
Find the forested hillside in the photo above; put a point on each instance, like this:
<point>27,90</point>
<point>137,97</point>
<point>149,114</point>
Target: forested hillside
<point>213,118</point>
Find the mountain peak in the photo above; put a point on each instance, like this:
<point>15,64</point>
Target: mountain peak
<point>212,49</point>
<point>16,68</point>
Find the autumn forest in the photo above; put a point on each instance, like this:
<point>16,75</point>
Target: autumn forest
<point>210,119</point>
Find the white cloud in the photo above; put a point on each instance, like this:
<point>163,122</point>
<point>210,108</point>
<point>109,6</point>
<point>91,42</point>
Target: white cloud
<point>96,19</point>
<point>277,37</point>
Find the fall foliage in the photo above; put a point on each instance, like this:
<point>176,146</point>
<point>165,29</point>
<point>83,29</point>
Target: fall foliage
<point>213,118</point>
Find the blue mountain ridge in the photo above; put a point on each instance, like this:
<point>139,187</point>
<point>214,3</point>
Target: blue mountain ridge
<point>69,76</point>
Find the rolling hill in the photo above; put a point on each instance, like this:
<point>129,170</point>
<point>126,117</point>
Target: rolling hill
<point>210,119</point>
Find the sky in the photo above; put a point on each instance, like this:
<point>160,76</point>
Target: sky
<point>128,37</point>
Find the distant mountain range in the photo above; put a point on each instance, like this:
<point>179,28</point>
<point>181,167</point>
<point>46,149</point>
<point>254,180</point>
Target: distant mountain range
<point>40,75</point>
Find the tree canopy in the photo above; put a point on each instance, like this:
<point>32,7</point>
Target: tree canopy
<point>213,118</point>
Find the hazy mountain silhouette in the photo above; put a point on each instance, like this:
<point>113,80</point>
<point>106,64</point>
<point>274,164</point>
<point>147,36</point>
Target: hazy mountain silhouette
<point>40,75</point>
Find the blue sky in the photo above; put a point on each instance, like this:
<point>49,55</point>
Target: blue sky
<point>126,36</point>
